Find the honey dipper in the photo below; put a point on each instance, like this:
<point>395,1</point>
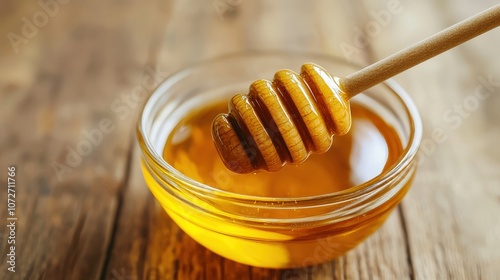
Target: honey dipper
<point>285,120</point>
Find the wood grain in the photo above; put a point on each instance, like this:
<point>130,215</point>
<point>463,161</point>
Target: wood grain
<point>448,212</point>
<point>64,81</point>
<point>100,221</point>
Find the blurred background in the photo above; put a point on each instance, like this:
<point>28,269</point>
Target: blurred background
<point>71,67</point>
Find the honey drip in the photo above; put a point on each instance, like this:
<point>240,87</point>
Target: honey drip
<point>282,121</point>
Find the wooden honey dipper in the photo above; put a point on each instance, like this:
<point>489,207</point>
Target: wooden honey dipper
<point>285,120</point>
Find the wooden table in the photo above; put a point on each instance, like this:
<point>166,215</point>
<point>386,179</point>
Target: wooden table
<point>66,66</point>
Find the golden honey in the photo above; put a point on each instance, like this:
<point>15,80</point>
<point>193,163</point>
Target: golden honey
<point>233,229</point>
<point>282,121</point>
<point>370,148</point>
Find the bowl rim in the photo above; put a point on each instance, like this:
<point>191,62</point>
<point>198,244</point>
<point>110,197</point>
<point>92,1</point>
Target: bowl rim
<point>404,160</point>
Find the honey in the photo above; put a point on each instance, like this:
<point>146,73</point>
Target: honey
<point>301,215</point>
<point>370,148</point>
<point>282,121</point>
<point>277,233</point>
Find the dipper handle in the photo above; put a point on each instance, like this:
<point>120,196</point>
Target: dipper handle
<point>421,51</point>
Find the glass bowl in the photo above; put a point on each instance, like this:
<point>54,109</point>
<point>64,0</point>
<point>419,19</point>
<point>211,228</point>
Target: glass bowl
<point>230,224</point>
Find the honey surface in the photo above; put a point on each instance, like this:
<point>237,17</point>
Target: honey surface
<point>371,147</point>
